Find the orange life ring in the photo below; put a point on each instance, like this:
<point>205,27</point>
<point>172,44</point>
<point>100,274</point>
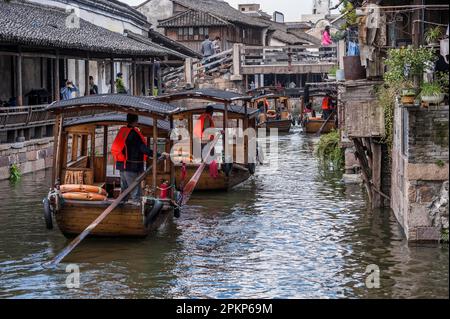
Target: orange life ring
<point>73,188</point>
<point>84,196</point>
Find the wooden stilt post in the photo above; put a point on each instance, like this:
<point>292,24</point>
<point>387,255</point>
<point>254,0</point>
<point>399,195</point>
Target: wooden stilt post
<point>376,175</point>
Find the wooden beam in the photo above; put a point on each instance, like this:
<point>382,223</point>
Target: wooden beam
<point>74,155</point>
<point>134,78</point>
<point>376,174</point>
<point>152,77</point>
<point>225,126</point>
<point>155,152</point>
<point>86,77</point>
<point>19,80</point>
<point>112,77</point>
<point>105,150</point>
<point>56,84</point>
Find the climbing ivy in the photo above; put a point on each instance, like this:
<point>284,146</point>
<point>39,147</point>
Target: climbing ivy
<point>386,99</point>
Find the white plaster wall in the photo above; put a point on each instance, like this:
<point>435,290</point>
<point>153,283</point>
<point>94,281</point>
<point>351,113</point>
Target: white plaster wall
<point>276,43</point>
<point>157,10</point>
<point>103,19</point>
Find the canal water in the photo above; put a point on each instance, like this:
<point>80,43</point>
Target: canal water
<point>297,232</point>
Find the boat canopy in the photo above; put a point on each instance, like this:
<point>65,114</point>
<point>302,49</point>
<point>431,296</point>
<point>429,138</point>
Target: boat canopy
<point>270,96</point>
<point>115,118</point>
<point>115,102</point>
<point>232,108</point>
<point>212,95</point>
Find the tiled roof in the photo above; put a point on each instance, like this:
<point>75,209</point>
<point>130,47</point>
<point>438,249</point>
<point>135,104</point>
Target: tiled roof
<point>41,26</point>
<point>126,103</point>
<point>222,10</point>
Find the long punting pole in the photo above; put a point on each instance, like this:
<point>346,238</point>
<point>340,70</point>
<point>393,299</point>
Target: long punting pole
<point>190,186</point>
<point>325,124</point>
<point>96,222</point>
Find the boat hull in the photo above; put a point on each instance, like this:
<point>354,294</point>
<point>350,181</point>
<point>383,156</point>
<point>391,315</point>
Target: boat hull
<point>126,220</point>
<point>208,183</point>
<point>281,125</point>
<point>314,126</point>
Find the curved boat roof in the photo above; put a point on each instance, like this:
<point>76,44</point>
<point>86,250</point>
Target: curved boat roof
<point>237,109</point>
<point>268,96</point>
<point>212,95</point>
<point>114,118</point>
<point>115,102</point>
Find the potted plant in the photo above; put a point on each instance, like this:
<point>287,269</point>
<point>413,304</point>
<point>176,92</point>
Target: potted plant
<point>434,92</point>
<point>332,73</point>
<point>408,96</point>
<point>433,35</point>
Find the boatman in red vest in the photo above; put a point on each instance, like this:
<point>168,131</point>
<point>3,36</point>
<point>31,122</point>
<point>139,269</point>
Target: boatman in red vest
<point>130,152</point>
<point>327,106</point>
<point>205,122</point>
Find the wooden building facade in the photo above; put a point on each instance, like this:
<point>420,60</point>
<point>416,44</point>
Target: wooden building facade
<point>189,21</point>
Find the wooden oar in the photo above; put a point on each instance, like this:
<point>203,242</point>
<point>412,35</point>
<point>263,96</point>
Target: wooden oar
<point>325,124</point>
<point>99,219</point>
<point>190,186</point>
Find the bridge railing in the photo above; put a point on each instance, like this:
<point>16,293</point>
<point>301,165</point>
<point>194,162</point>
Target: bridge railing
<point>276,55</point>
<point>17,117</point>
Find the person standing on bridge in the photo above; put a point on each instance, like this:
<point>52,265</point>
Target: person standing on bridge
<point>326,36</point>
<point>217,45</point>
<point>207,47</point>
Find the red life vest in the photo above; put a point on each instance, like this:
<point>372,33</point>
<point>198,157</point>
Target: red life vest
<point>119,145</point>
<point>200,126</point>
<point>326,103</point>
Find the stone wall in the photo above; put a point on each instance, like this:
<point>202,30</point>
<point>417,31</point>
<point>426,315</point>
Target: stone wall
<point>30,156</point>
<point>420,167</point>
<point>428,135</point>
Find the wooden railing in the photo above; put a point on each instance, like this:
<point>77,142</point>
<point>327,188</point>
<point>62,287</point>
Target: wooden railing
<point>214,63</point>
<point>16,117</point>
<point>258,55</point>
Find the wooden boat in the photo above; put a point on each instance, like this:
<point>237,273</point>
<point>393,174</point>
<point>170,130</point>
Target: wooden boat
<point>231,111</point>
<point>81,157</point>
<point>277,113</point>
<point>314,124</point>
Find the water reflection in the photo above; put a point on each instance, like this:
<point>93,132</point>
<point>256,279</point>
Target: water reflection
<point>297,232</point>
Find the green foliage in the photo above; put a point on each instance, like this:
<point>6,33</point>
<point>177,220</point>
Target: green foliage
<point>333,70</point>
<point>444,235</point>
<point>442,79</point>
<point>386,98</point>
<point>351,19</point>
<point>433,34</point>
<point>14,173</point>
<point>431,89</point>
<point>440,163</point>
<point>405,63</point>
<point>329,150</point>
